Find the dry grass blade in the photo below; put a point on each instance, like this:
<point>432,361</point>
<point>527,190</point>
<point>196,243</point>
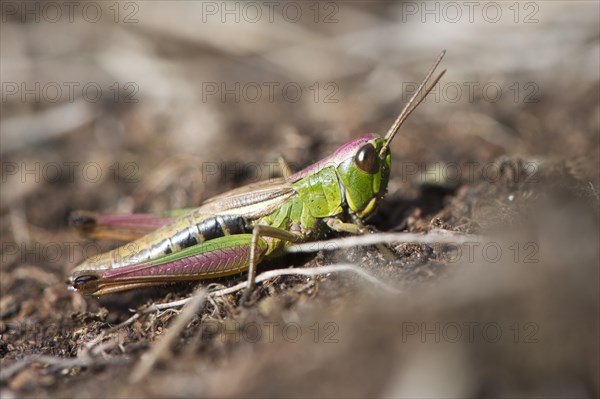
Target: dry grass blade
<point>434,237</point>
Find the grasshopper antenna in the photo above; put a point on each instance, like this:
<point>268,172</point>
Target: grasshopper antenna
<point>409,107</point>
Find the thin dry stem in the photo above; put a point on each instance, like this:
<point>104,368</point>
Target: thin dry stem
<point>434,237</point>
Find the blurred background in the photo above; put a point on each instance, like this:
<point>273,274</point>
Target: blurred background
<point>142,106</point>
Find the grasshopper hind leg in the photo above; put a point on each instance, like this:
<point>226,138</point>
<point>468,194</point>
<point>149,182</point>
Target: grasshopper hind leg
<point>116,227</point>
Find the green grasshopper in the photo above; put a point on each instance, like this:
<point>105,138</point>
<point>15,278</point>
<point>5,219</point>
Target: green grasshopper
<point>235,231</point>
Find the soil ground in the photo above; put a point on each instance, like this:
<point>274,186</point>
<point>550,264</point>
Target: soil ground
<point>513,314</point>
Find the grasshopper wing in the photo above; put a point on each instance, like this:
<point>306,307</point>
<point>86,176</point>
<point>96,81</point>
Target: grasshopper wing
<point>251,201</point>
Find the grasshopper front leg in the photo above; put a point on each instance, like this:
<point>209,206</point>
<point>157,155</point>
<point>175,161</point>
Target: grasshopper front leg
<point>358,228</point>
<point>344,227</point>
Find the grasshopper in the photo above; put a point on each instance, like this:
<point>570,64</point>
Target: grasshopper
<point>233,232</point>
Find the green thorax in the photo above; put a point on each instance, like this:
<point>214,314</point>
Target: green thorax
<point>351,186</point>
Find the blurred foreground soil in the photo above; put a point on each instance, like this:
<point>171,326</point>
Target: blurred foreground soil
<point>514,315</point>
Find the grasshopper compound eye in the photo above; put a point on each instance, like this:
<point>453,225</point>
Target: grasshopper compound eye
<point>367,160</point>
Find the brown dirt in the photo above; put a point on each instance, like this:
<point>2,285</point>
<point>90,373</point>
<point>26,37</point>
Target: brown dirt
<point>466,323</point>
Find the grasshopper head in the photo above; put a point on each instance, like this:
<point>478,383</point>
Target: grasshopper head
<point>364,169</point>
<point>364,173</point>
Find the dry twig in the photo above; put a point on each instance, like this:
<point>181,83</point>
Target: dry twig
<point>437,236</point>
